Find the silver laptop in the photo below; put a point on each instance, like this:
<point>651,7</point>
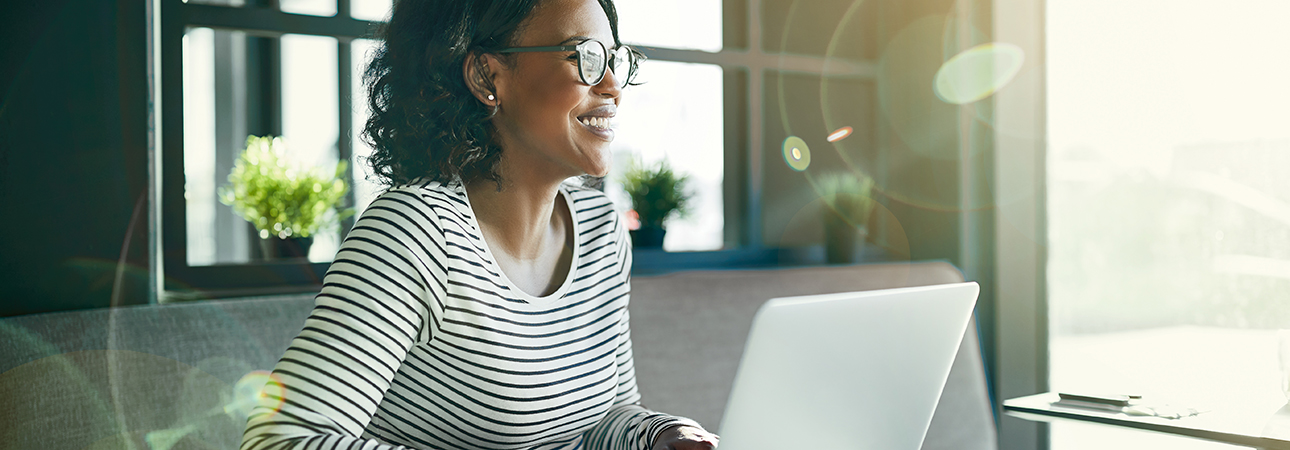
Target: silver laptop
<point>858,370</point>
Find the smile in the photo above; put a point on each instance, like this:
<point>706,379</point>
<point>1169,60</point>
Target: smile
<point>596,122</point>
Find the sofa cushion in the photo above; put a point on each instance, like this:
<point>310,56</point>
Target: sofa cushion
<point>689,328</point>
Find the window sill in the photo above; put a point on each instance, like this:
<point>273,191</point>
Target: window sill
<point>657,261</point>
<point>645,262</point>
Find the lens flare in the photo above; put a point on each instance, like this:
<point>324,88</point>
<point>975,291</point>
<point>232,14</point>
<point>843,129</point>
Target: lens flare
<point>257,388</point>
<point>978,72</point>
<point>167,438</point>
<point>796,153</point>
<point>840,134</point>
<point>804,226</point>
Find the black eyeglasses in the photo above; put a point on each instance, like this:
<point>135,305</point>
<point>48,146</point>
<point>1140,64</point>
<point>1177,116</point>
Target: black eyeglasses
<point>594,59</point>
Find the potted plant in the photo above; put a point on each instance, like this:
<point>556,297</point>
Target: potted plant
<point>847,207</point>
<point>656,192</point>
<point>286,203</point>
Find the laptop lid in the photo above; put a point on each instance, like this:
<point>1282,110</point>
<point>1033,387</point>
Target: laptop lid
<point>856,370</point>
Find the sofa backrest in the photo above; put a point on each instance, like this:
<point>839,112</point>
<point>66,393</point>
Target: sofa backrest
<point>162,377</point>
<point>144,377</point>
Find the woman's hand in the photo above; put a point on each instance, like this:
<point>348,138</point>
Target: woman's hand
<point>685,437</point>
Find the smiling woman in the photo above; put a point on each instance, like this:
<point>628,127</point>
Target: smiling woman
<point>481,300</point>
<point>429,119</point>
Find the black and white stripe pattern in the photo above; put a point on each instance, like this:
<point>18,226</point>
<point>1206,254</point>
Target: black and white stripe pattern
<point>418,341</point>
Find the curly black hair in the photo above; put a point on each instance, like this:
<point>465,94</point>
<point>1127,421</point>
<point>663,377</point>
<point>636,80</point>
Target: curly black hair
<point>425,121</point>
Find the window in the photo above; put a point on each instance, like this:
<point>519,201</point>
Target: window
<point>1168,208</point>
<point>773,66</point>
<point>292,68</point>
<point>232,68</point>
<point>676,114</point>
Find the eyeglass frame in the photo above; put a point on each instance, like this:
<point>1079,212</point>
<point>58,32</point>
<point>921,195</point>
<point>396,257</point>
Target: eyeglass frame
<point>634,58</point>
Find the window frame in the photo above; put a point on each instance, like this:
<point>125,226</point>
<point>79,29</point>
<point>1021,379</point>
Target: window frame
<point>1018,323</point>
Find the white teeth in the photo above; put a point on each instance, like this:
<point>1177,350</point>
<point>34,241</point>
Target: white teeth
<point>596,122</point>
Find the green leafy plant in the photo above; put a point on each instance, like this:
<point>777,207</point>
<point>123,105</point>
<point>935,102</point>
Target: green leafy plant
<point>656,192</point>
<point>280,198</point>
<point>848,196</point>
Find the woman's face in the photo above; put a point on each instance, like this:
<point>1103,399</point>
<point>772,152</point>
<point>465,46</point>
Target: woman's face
<point>545,106</point>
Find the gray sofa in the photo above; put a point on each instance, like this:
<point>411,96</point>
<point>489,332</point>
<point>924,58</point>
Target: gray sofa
<point>163,377</point>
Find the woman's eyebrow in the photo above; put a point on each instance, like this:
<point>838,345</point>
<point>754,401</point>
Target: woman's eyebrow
<point>578,39</point>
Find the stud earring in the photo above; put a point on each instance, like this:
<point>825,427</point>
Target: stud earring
<point>491,97</point>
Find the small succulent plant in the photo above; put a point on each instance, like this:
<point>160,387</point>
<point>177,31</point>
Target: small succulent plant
<point>656,192</point>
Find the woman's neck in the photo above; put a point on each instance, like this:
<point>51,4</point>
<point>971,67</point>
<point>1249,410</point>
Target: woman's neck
<point>522,219</point>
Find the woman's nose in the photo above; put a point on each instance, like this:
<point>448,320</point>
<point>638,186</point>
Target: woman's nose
<point>609,84</point>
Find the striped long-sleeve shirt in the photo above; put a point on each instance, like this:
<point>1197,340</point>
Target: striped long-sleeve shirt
<point>419,340</point>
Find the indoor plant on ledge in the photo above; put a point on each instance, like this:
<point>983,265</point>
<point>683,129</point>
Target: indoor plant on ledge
<point>656,192</point>
<point>847,207</point>
<point>287,203</point>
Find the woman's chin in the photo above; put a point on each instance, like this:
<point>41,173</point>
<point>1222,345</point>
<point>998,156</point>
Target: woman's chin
<point>600,167</point>
<point>599,172</point>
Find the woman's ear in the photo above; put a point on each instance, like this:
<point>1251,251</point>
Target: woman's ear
<point>480,78</point>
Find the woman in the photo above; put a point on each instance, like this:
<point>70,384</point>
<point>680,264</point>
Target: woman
<point>480,302</point>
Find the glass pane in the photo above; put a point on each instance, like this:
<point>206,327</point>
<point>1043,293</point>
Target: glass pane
<point>676,114</point>
<point>1168,207</point>
<point>375,10</point>
<point>310,7</point>
<point>199,144</point>
<point>215,129</point>
<point>365,186</point>
<point>688,24</point>
<point>311,115</point>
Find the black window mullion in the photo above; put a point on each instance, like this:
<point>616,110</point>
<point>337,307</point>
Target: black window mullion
<point>174,208</point>
<point>261,18</point>
<point>264,86</point>
<point>263,99</point>
<point>345,146</point>
<point>342,8</point>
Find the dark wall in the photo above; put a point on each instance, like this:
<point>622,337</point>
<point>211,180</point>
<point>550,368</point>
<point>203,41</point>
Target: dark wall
<point>73,155</point>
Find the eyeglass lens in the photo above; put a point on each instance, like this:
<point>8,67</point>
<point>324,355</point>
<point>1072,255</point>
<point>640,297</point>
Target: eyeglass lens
<point>622,65</point>
<point>593,63</point>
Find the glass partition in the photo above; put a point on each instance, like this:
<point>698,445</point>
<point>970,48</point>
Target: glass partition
<point>1168,206</point>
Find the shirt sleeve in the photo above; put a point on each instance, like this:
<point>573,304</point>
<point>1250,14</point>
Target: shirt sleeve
<point>381,295</point>
<point>629,425</point>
